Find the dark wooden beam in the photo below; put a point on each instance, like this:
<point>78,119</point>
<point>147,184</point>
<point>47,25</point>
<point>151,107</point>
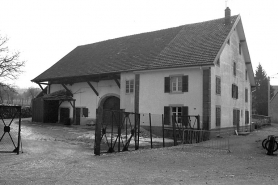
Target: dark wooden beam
<point>41,86</point>
<point>44,83</point>
<point>117,82</point>
<point>67,89</point>
<point>241,41</point>
<point>92,87</point>
<point>247,63</point>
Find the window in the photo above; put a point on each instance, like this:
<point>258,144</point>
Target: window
<point>246,73</point>
<point>218,62</point>
<point>234,91</point>
<point>228,42</point>
<point>218,85</point>
<point>239,48</point>
<point>218,116</point>
<point>234,68</point>
<point>85,112</point>
<point>246,95</point>
<point>129,86</point>
<point>177,112</point>
<point>246,117</point>
<point>174,84</point>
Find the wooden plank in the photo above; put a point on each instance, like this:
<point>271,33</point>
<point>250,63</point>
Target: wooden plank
<point>99,113</point>
<point>92,87</point>
<point>40,86</point>
<point>67,89</point>
<point>117,82</point>
<point>136,99</point>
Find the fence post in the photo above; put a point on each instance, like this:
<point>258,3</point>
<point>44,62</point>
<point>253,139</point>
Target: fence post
<point>163,131</point>
<point>136,131</point>
<point>174,129</point>
<point>119,130</point>
<point>19,130</point>
<point>138,121</point>
<point>99,113</point>
<point>150,119</point>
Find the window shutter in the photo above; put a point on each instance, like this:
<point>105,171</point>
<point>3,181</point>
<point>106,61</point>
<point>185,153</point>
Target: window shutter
<point>232,90</point>
<point>234,117</point>
<point>185,83</point>
<point>184,113</point>
<point>167,115</point>
<point>85,112</point>
<point>236,92</point>
<point>246,117</point>
<point>167,84</point>
<point>218,116</point>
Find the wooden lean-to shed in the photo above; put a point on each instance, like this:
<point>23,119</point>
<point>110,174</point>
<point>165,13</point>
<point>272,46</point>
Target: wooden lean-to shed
<point>45,108</point>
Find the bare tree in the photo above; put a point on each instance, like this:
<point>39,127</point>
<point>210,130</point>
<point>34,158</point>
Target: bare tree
<point>10,65</point>
<point>33,92</point>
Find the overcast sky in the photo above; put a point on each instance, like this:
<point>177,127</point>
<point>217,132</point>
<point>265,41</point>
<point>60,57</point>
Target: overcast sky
<point>46,30</point>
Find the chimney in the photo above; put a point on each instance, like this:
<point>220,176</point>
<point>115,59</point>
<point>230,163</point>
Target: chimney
<point>227,16</point>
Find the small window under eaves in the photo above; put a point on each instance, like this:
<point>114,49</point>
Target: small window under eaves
<point>218,62</point>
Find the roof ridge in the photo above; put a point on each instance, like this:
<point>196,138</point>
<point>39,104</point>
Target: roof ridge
<point>183,25</point>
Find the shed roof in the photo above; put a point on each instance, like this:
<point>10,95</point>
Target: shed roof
<point>188,45</point>
<point>58,95</point>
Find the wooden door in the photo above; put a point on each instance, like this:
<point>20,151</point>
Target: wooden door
<point>78,115</point>
<point>111,106</point>
<point>64,115</point>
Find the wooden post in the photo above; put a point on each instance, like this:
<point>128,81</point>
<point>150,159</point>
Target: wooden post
<point>119,128</point>
<point>138,127</point>
<point>99,113</point>
<point>19,131</point>
<point>74,113</point>
<point>174,130</point>
<point>135,132</point>
<point>268,96</point>
<point>150,118</point>
<point>163,131</point>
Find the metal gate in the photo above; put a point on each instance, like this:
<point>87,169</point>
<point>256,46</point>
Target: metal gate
<point>186,129</point>
<point>116,130</point>
<point>9,131</point>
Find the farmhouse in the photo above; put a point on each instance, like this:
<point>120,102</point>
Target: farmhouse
<point>196,69</point>
<point>274,107</point>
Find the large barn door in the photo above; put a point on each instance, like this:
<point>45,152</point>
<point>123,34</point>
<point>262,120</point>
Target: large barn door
<point>111,103</point>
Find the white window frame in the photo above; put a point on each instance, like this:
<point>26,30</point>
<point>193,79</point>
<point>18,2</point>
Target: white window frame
<point>176,112</point>
<point>129,88</point>
<point>176,84</point>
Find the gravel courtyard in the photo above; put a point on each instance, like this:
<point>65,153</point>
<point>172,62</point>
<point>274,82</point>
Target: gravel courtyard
<point>57,154</point>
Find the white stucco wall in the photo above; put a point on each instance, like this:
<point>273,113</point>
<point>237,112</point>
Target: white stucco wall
<point>230,55</point>
<point>86,97</point>
<point>153,98</point>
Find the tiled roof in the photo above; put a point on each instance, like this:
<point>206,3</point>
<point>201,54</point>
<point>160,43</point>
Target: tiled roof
<point>187,45</point>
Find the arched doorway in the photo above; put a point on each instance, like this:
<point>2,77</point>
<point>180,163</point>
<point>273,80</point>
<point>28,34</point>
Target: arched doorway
<point>110,105</point>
